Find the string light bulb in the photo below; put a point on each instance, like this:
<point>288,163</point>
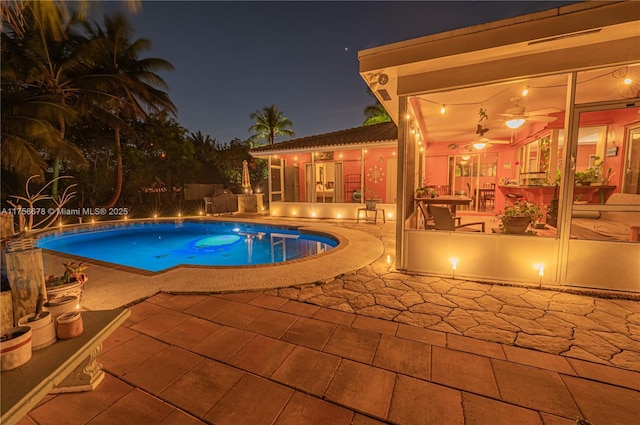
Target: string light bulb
<point>525,91</point>
<point>443,110</point>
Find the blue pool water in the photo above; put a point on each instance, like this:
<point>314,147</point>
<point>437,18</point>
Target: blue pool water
<point>159,246</point>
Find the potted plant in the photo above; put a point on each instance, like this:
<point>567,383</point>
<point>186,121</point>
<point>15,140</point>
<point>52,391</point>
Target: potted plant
<point>516,218</point>
<point>71,283</point>
<point>371,198</point>
<point>586,177</point>
<point>426,191</point>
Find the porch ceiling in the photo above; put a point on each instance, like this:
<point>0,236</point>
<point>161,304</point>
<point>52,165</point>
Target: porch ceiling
<point>467,69</point>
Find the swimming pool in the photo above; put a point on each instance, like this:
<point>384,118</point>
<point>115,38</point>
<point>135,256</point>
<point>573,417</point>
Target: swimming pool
<point>155,246</point>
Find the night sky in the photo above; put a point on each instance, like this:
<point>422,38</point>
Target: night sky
<point>233,58</point>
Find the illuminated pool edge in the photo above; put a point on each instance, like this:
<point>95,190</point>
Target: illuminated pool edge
<point>141,223</point>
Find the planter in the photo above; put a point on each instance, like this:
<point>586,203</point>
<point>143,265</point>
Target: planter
<point>516,224</point>
<point>371,204</point>
<point>72,289</point>
<point>15,347</point>
<point>69,325</point>
<point>61,305</point>
<point>43,329</point>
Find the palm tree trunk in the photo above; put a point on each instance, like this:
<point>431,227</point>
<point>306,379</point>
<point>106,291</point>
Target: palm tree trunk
<point>119,171</point>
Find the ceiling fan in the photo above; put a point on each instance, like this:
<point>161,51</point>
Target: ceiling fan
<point>482,142</point>
<point>516,116</point>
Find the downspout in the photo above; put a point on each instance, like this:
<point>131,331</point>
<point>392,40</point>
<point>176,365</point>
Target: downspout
<point>362,175</point>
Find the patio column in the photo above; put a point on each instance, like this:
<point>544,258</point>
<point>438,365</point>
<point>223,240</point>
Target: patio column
<point>406,177</point>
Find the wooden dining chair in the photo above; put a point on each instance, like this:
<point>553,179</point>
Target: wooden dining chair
<point>443,220</point>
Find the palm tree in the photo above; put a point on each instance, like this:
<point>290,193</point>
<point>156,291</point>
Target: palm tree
<point>269,123</point>
<point>51,14</point>
<point>375,113</point>
<point>131,81</point>
<point>204,146</point>
<point>39,83</point>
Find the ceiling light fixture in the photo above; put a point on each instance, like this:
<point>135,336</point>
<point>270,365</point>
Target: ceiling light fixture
<point>515,123</point>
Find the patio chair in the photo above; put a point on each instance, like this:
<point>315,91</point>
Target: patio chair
<point>428,218</point>
<point>443,220</point>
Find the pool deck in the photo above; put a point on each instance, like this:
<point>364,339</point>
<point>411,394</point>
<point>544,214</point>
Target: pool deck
<point>366,346</point>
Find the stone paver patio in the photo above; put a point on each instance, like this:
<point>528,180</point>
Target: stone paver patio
<point>600,330</point>
<point>375,346</point>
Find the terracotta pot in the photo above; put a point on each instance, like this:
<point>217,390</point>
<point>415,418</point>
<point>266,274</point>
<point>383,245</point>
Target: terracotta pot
<point>516,224</point>
<point>15,347</point>
<point>70,325</point>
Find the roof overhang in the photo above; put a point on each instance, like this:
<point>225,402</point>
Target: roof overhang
<point>580,36</point>
<point>353,146</point>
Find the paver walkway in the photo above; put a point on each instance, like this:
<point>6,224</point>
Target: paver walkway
<point>376,346</point>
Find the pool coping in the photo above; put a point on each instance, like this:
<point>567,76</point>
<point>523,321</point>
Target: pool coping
<point>112,286</point>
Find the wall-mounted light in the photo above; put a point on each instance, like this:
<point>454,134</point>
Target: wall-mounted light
<point>525,91</point>
<point>515,123</point>
<point>479,145</point>
<point>628,81</point>
<point>454,266</point>
<point>466,157</point>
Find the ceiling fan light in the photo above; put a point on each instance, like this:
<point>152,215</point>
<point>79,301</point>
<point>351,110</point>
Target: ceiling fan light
<point>515,123</point>
<point>479,145</point>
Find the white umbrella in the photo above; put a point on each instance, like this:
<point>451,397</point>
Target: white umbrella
<point>246,182</point>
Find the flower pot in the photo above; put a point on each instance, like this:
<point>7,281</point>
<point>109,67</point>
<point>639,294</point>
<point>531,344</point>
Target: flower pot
<point>42,328</point>
<point>516,224</point>
<point>61,305</point>
<point>69,325</point>
<point>15,347</point>
<point>371,203</point>
<point>73,288</point>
